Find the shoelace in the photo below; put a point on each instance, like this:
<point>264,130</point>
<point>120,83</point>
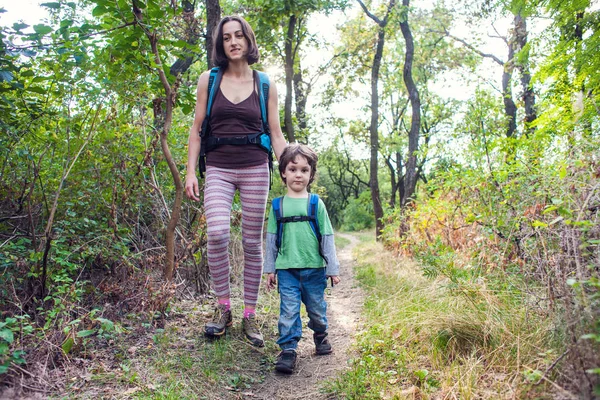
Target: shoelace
<point>251,324</point>
<point>219,313</point>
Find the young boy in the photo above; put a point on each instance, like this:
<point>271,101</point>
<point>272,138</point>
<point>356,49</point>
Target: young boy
<point>302,264</point>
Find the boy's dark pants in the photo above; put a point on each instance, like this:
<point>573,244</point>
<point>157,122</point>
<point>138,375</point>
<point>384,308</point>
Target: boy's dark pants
<point>296,285</point>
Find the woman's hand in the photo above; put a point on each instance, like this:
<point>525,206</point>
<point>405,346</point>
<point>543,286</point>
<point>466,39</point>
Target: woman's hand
<point>191,187</point>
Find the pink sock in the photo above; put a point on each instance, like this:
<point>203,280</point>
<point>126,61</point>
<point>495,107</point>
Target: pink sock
<point>248,311</point>
<point>226,302</point>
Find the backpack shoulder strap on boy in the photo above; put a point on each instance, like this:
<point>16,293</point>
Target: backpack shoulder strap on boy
<point>311,218</point>
<point>262,139</point>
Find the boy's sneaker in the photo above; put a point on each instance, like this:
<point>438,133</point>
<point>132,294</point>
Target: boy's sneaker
<point>286,361</point>
<point>220,322</point>
<point>250,328</point>
<point>322,344</point>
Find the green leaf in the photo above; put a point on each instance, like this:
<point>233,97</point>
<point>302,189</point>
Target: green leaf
<point>6,76</point>
<point>37,89</point>
<point>17,356</point>
<point>68,345</point>
<point>107,324</point>
<point>562,173</point>
<point>539,224</point>
<point>98,11</point>
<point>533,375</point>
<point>19,25</point>
<point>86,333</point>
<point>421,374</point>
<point>42,29</point>
<point>52,5</point>
<point>65,23</point>
<point>7,335</point>
<point>4,368</point>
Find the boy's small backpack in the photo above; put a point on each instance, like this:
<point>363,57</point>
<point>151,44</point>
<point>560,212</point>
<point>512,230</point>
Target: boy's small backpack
<point>311,218</point>
<point>262,139</point>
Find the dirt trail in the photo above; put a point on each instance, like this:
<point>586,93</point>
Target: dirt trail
<point>344,303</point>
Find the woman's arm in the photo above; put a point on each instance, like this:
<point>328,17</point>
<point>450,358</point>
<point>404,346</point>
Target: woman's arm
<point>191,181</point>
<point>277,139</point>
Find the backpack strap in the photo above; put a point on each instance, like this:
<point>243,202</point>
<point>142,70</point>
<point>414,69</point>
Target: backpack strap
<point>313,207</point>
<point>278,211</point>
<point>214,81</point>
<point>263,95</point>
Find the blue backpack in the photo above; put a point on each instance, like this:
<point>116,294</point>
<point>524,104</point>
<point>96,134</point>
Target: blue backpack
<point>262,139</point>
<point>311,218</point>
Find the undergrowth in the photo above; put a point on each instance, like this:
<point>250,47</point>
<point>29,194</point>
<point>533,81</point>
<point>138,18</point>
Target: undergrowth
<point>469,337</point>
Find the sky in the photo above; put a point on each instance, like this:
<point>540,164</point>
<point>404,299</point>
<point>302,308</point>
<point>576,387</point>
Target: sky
<point>27,10</point>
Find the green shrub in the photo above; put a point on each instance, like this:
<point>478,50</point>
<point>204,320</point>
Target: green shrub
<point>358,215</point>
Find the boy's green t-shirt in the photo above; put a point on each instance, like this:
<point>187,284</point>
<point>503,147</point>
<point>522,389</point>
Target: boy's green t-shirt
<point>299,247</point>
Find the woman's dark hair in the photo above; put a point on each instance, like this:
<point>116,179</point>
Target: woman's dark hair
<point>293,150</point>
<point>218,52</point>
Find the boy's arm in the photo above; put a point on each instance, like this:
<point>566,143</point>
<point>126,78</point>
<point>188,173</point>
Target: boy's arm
<point>270,254</point>
<point>333,265</point>
<point>327,242</point>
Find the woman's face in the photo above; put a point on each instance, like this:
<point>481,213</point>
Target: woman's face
<point>235,44</point>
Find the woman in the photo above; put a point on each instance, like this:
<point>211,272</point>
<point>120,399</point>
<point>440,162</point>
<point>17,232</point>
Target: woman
<point>235,112</point>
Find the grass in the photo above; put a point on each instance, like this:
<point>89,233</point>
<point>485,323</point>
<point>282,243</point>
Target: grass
<point>436,339</point>
<point>341,242</point>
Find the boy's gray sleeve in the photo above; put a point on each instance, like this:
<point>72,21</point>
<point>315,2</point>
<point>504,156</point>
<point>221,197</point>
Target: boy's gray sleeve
<point>270,254</point>
<point>333,265</point>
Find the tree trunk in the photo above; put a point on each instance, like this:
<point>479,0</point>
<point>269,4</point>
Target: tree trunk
<point>528,96</point>
<point>374,133</point>
<point>392,181</point>
<point>163,113</point>
<point>410,180</point>
<point>213,16</point>
<point>301,98</point>
<point>289,75</point>
<point>510,109</point>
<point>373,128</point>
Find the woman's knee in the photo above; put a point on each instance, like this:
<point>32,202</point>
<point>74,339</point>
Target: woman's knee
<point>218,236</point>
<point>252,244</point>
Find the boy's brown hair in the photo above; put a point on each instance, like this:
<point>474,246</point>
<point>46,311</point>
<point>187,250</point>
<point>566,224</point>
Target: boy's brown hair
<point>218,52</point>
<point>293,150</point>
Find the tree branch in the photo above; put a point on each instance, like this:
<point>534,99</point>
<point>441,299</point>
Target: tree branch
<point>366,10</point>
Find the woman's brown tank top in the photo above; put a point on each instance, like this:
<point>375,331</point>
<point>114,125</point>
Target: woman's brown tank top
<point>229,120</point>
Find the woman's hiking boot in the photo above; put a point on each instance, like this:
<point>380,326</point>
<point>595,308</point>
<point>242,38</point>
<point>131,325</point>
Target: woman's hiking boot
<point>250,328</point>
<point>220,322</point>
<point>286,361</point>
<point>322,344</point>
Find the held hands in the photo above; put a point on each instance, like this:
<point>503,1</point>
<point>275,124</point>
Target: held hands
<point>191,187</point>
<point>271,281</point>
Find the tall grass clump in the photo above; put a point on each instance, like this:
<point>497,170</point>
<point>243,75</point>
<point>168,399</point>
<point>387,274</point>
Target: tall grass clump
<point>442,336</point>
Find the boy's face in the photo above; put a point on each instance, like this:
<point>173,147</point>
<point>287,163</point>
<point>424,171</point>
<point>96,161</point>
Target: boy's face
<point>297,174</point>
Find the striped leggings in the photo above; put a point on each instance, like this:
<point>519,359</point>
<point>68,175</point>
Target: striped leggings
<point>221,183</point>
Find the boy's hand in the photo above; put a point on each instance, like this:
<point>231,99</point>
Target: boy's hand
<point>334,279</point>
<point>271,281</point>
